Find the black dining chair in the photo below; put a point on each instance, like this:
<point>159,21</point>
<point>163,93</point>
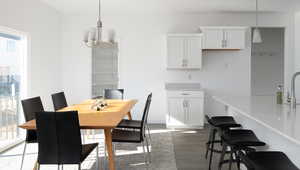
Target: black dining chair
<point>114,94</point>
<point>125,123</point>
<point>30,107</point>
<point>59,100</point>
<point>59,139</point>
<point>135,136</point>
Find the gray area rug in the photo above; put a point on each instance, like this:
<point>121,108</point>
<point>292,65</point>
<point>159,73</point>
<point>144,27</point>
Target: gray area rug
<point>162,154</point>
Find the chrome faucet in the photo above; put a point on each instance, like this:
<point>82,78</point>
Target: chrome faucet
<point>293,94</point>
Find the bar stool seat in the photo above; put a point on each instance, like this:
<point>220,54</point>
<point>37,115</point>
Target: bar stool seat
<point>268,161</point>
<point>238,140</point>
<point>242,138</point>
<point>217,123</point>
<point>223,122</point>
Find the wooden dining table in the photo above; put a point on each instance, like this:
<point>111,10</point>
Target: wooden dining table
<point>106,119</point>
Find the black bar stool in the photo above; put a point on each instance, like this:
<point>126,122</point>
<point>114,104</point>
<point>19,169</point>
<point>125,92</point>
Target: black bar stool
<point>238,140</point>
<point>267,161</point>
<point>217,123</point>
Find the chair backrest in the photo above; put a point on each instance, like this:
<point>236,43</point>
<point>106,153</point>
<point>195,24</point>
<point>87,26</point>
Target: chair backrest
<point>58,137</point>
<point>59,100</point>
<point>145,115</point>
<point>114,93</point>
<point>30,107</point>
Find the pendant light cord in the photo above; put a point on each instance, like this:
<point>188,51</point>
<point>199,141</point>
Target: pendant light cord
<point>256,13</point>
<point>99,9</point>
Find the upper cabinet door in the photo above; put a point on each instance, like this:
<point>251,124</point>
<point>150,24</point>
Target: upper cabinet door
<point>213,38</point>
<point>224,38</point>
<point>235,38</point>
<point>184,51</point>
<point>175,57</point>
<point>194,52</point>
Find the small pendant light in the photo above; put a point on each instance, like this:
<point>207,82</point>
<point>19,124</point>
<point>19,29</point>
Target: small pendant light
<point>256,32</point>
<point>93,37</point>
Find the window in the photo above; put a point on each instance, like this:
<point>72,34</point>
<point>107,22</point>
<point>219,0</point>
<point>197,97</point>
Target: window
<point>12,56</point>
<point>104,69</point>
<point>11,46</point>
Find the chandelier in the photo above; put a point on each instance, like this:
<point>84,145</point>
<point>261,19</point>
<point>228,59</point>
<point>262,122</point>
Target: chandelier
<point>93,37</point>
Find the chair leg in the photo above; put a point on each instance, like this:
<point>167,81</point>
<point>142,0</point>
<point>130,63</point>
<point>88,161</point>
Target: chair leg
<point>149,134</point>
<point>146,162</point>
<point>212,148</point>
<point>23,156</point>
<point>105,153</point>
<point>148,150</point>
<point>83,136</point>
<point>97,157</point>
<point>58,167</point>
<point>222,155</point>
<point>79,166</point>
<point>114,149</point>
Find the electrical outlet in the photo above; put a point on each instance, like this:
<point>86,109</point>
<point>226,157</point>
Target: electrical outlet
<point>190,77</point>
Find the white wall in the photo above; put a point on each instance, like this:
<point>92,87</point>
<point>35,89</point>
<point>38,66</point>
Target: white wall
<point>143,55</point>
<point>267,64</point>
<point>42,24</point>
<point>297,51</point>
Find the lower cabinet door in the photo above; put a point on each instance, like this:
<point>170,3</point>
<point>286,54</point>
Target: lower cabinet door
<point>176,115</point>
<point>195,112</point>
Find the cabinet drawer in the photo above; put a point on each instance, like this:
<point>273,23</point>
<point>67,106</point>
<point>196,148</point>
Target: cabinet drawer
<point>185,94</point>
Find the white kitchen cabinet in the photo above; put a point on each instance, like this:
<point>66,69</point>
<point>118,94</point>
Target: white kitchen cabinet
<point>226,38</point>
<point>195,112</point>
<point>184,51</point>
<point>176,108</point>
<point>213,38</point>
<point>185,109</point>
<point>235,38</point>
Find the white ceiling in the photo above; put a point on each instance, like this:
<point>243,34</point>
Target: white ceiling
<point>176,6</point>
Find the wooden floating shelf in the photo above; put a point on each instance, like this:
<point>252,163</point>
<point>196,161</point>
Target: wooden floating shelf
<point>221,49</point>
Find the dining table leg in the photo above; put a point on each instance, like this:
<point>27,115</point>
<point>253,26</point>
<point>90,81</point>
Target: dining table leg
<point>109,147</point>
<point>129,115</point>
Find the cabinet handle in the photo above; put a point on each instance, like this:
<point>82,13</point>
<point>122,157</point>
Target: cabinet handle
<point>185,94</point>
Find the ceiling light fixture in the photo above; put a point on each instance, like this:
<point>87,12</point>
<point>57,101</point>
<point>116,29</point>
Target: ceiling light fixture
<point>93,37</point>
<point>256,32</point>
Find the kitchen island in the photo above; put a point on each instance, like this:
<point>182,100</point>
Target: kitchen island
<point>277,125</point>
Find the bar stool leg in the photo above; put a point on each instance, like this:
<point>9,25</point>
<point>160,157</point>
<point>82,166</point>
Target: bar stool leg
<point>230,159</point>
<point>222,155</point>
<point>209,142</point>
<point>212,147</point>
<point>238,160</point>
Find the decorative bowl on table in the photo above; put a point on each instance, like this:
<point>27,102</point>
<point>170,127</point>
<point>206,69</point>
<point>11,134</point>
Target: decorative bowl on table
<point>99,104</point>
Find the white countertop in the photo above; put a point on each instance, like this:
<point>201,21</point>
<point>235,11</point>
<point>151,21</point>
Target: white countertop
<point>281,119</point>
